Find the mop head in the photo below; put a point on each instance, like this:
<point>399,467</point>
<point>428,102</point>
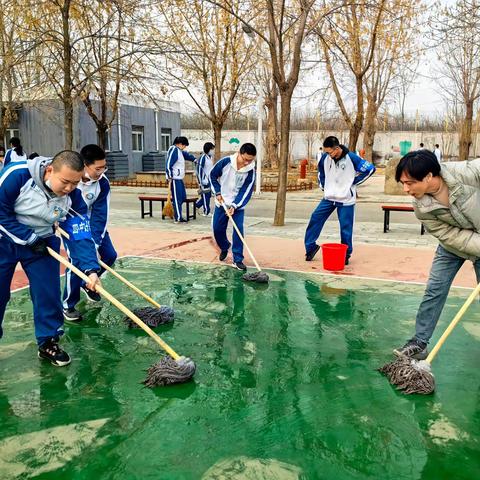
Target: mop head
<point>152,316</point>
<point>168,209</point>
<point>410,375</point>
<point>169,371</point>
<point>259,277</point>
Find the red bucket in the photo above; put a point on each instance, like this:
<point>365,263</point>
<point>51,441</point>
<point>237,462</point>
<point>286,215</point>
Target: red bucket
<point>334,255</point>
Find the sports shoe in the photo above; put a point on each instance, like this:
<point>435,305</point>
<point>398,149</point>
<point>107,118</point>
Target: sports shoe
<point>239,266</point>
<point>347,259</point>
<point>91,295</point>
<point>72,315</point>
<point>311,254</point>
<point>182,220</point>
<point>414,348</point>
<point>223,255</point>
<point>50,350</point>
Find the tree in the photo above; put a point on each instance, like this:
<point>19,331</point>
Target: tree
<point>213,59</point>
<point>348,40</point>
<point>457,32</point>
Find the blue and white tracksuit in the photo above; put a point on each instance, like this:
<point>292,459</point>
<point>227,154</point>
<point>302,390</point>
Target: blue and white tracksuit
<point>28,210</point>
<point>175,171</point>
<point>11,156</point>
<point>96,194</point>
<point>236,188</point>
<point>204,167</point>
<point>338,180</point>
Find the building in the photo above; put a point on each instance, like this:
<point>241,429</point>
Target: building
<point>140,128</point>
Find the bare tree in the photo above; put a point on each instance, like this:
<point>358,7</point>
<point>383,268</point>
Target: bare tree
<point>457,31</point>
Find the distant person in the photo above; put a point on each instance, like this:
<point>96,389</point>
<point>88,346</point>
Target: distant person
<point>438,153</point>
<point>175,173</point>
<point>2,156</point>
<point>15,153</point>
<point>422,146</point>
<point>232,179</point>
<point>203,168</point>
<point>339,172</point>
<point>319,154</point>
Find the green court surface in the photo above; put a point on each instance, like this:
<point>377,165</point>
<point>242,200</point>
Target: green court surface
<point>286,386</point>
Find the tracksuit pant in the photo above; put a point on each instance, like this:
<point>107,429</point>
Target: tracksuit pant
<point>43,273</point>
<point>204,201</point>
<point>179,195</point>
<point>320,215</point>
<point>73,283</point>
<point>219,223</point>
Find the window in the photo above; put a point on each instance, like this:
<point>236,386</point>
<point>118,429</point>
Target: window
<point>106,140</point>
<point>137,139</point>
<point>9,133</point>
<point>166,139</point>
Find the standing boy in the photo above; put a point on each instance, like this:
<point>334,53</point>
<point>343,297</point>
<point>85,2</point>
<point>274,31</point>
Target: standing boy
<point>34,195</point>
<point>339,173</point>
<point>95,189</point>
<point>204,167</point>
<point>232,179</point>
<point>175,172</point>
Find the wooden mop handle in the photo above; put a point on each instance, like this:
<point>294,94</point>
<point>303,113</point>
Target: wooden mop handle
<point>117,303</point>
<point>453,323</point>
<point>241,237</point>
<point>117,275</point>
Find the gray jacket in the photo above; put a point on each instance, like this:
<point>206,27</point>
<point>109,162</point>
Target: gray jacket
<point>457,227</point>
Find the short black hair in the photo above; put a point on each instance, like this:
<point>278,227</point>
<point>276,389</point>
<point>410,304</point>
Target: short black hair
<point>437,145</point>
<point>68,158</point>
<point>249,149</point>
<point>331,142</point>
<point>418,164</point>
<point>421,144</point>
<point>181,141</point>
<point>207,147</point>
<point>91,153</point>
<point>33,155</point>
<point>15,142</point>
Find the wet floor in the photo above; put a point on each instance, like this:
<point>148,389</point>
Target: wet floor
<point>286,386</point>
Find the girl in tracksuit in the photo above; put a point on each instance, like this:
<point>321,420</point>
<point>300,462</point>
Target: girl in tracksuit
<point>95,189</point>
<point>175,173</point>
<point>232,179</point>
<point>339,173</point>
<point>33,197</point>
<point>15,153</point>
<point>204,167</point>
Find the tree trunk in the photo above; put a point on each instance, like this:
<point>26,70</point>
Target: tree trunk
<point>369,129</point>
<point>102,134</point>
<point>217,140</point>
<point>285,110</point>
<point>466,132</point>
<point>357,125</point>
<point>67,78</point>
<point>272,140</point>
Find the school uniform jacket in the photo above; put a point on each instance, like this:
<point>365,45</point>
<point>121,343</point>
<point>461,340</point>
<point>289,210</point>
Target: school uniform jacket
<point>175,164</point>
<point>204,167</point>
<point>11,156</point>
<point>235,185</point>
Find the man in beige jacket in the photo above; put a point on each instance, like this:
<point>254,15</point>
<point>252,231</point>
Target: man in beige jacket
<point>447,202</point>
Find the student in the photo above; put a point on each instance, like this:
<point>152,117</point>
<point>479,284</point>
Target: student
<point>15,153</point>
<point>95,189</point>
<point>34,195</point>
<point>445,200</point>
<point>232,179</point>
<point>339,173</point>
<point>175,173</point>
<point>2,157</point>
<point>204,167</point>
<point>438,153</point>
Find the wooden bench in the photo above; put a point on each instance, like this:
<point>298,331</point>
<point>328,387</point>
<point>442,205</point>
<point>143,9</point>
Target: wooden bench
<point>396,208</point>
<point>163,199</point>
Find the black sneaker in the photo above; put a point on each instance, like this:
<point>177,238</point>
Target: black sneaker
<point>239,266</point>
<point>311,254</point>
<point>182,220</point>
<point>347,259</point>
<point>91,295</point>
<point>72,315</point>
<point>50,350</point>
<point>414,348</point>
<point>223,255</point>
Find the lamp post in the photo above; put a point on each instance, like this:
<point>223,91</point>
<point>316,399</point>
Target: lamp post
<point>258,185</point>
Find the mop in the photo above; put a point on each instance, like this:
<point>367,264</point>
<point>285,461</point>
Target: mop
<point>168,208</point>
<point>415,376</point>
<point>258,277</point>
<point>153,317</point>
<point>171,368</point>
